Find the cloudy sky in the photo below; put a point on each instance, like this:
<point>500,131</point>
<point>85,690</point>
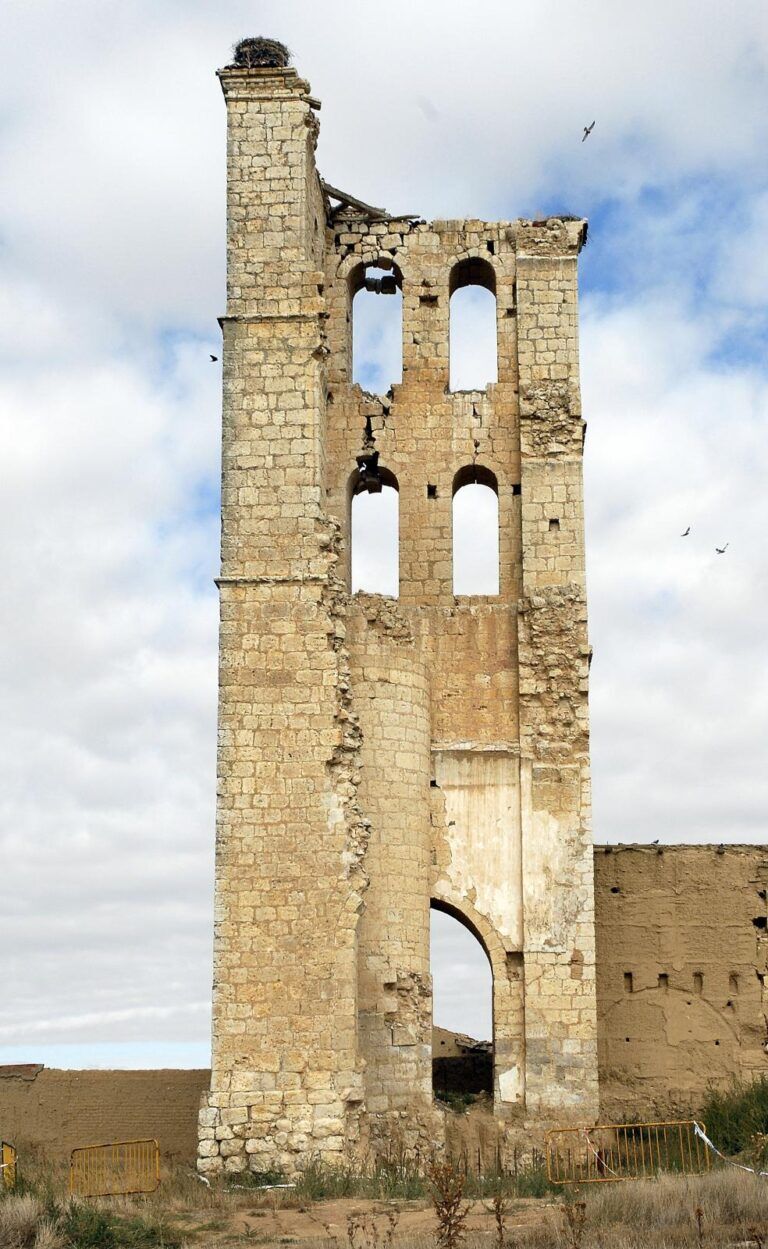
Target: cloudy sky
<point>112,255</point>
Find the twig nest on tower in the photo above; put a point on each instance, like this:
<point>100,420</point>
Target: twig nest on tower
<point>258,53</point>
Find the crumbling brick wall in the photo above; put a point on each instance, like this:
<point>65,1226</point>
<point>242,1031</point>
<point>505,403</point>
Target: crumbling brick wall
<point>681,971</point>
<point>55,1112</point>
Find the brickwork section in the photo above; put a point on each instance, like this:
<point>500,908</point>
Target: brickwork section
<point>57,1111</point>
<point>682,961</point>
<point>378,757</point>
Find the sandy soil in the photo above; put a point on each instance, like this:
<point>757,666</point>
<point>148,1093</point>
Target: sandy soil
<point>329,1222</point>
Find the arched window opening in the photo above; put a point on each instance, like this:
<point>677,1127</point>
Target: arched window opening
<point>377,327</point>
<point>374,523</point>
<point>475,531</point>
<point>462,1011</point>
<point>473,349</point>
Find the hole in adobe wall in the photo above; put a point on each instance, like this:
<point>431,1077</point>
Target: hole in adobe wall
<point>429,300</point>
<point>615,889</point>
<point>698,982</point>
<point>760,922</point>
<point>433,783</point>
<point>733,982</point>
<point>663,980</point>
<point>431,492</point>
<point>554,525</point>
<point>628,982</point>
<point>491,247</point>
<point>510,312</point>
<point>517,488</point>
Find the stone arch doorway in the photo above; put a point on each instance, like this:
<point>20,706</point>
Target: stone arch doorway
<point>462,1008</point>
<point>507,1083</point>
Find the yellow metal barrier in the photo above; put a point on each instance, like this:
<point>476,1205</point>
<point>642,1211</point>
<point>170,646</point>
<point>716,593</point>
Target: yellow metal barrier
<point>624,1151</point>
<point>115,1170</point>
<point>8,1163</point>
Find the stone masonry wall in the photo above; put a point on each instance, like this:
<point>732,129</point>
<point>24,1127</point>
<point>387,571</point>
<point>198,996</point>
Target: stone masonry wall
<point>682,966</point>
<point>379,757</point>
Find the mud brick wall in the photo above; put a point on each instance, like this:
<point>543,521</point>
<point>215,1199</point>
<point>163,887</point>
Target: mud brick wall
<point>57,1111</point>
<point>682,959</point>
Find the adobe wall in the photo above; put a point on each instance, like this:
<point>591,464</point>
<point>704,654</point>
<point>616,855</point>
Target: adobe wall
<point>681,970</point>
<point>57,1111</point>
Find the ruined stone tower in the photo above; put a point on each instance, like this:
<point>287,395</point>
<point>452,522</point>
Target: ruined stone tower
<point>377,755</point>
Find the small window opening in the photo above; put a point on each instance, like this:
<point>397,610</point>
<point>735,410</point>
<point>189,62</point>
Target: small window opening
<point>433,783</point>
<point>475,531</point>
<point>517,488</point>
<point>472,334</point>
<point>377,327</point>
<point>698,982</point>
<point>429,300</point>
<point>628,982</point>
<point>554,525</point>
<point>663,980</point>
<point>375,566</point>
<point>491,247</point>
<point>510,312</point>
<point>733,982</point>
<point>760,923</point>
<point>431,491</point>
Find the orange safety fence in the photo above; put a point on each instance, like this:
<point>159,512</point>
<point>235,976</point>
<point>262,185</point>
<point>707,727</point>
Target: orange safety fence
<point>115,1170</point>
<point>625,1151</point>
<point>7,1165</point>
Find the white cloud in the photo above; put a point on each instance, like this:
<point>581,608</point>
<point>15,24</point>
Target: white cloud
<point>112,223</point>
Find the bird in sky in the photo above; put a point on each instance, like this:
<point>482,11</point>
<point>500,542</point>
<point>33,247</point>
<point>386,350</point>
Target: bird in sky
<point>685,535</point>
<point>722,549</point>
<point>213,358</point>
<point>587,131</point>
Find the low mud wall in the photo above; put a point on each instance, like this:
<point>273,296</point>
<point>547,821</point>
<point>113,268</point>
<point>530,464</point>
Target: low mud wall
<point>56,1111</point>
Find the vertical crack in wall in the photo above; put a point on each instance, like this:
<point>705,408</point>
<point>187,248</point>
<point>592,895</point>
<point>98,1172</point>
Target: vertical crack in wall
<point>344,775</point>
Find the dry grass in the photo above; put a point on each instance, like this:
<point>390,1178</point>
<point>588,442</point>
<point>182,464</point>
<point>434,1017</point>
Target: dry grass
<point>723,1208</point>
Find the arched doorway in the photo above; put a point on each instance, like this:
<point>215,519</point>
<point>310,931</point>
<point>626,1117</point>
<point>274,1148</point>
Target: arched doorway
<point>462,1009</point>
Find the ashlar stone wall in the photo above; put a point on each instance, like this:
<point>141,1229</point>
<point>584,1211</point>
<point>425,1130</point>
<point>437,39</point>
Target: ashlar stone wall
<point>380,756</point>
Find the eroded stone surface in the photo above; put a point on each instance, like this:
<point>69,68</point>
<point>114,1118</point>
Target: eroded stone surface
<point>376,756</point>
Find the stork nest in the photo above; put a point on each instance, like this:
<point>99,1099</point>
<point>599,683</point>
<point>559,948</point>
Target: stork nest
<point>257,53</point>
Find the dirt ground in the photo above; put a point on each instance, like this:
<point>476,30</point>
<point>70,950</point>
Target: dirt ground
<point>324,1223</point>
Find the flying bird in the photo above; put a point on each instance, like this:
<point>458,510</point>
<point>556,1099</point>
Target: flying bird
<point>213,358</point>
<point>685,535</point>
<point>587,131</point>
<point>722,549</point>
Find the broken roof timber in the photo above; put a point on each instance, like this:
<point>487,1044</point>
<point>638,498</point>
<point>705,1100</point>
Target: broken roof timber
<point>368,210</point>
